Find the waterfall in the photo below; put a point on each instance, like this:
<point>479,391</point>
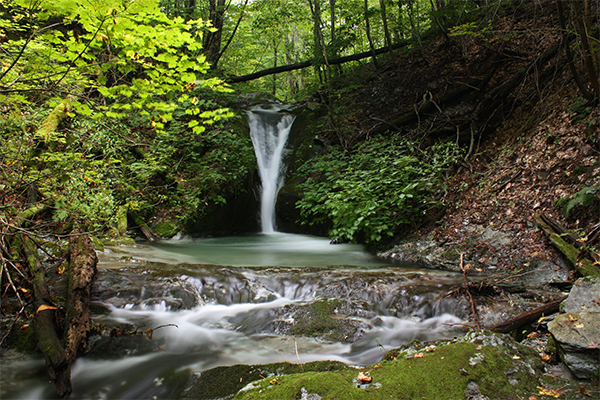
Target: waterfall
<point>269,130</point>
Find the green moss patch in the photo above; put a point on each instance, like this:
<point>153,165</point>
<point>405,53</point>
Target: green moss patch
<point>224,382</point>
<point>494,365</point>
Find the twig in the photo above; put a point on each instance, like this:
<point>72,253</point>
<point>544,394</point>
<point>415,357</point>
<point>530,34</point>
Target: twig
<point>466,286</point>
<point>297,356</point>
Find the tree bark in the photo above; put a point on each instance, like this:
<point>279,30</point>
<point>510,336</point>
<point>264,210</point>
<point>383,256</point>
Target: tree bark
<point>211,42</point>
<point>82,270</point>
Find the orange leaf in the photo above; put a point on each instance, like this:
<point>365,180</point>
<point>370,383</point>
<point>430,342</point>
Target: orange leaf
<point>419,355</point>
<point>149,333</point>
<point>44,307</point>
<point>550,392</point>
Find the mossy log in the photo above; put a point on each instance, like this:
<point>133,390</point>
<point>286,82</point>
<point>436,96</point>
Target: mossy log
<point>574,251</point>
<point>139,222</point>
<point>60,112</point>
<point>44,323</point>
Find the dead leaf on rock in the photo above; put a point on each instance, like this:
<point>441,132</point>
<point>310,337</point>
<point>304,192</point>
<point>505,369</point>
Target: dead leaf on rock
<point>572,318</point>
<point>578,325</point>
<point>419,355</point>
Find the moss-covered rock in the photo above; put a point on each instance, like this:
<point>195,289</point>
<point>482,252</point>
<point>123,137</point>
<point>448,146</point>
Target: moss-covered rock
<point>224,382</point>
<point>479,364</point>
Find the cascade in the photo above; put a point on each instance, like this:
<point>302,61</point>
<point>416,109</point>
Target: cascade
<point>269,130</point>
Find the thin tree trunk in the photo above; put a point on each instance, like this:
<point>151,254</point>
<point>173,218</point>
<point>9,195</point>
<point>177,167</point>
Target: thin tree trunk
<point>371,45</point>
<point>587,51</point>
<point>237,25</point>
<point>388,37</point>
<point>561,19</point>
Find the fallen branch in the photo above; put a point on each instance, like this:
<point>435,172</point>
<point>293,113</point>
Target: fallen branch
<point>309,63</point>
<point>528,317</point>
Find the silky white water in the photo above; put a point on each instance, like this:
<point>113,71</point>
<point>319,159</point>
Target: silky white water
<point>269,130</point>
<point>219,315</point>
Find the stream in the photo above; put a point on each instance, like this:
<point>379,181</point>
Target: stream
<point>240,300</point>
<point>164,311</point>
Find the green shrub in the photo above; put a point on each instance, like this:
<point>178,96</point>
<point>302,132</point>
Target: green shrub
<point>371,192</point>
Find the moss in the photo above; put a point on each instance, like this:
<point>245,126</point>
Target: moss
<point>224,382</point>
<point>500,372</point>
<point>24,339</point>
<point>166,229</point>
<point>318,321</point>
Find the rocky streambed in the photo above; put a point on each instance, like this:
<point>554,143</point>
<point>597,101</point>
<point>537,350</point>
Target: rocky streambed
<point>168,329</point>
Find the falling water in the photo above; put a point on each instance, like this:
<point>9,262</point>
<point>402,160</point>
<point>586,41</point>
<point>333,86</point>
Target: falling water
<point>269,129</point>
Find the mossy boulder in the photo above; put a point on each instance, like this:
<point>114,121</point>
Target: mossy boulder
<point>224,382</point>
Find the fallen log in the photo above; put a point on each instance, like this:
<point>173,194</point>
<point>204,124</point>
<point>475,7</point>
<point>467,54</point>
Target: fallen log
<point>308,63</point>
<point>574,252</point>
<point>528,317</point>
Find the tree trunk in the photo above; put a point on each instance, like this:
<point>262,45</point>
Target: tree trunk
<point>211,42</point>
<point>388,37</point>
<point>82,270</point>
<point>587,50</point>
<point>368,27</point>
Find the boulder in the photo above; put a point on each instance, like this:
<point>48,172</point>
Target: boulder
<point>577,331</point>
<point>585,295</point>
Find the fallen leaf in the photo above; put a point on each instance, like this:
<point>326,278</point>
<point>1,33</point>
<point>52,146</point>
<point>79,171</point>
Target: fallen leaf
<point>584,392</point>
<point>364,377</point>
<point>24,326</point>
<point>545,358</point>
<point>149,333</point>
<point>44,307</point>
<point>274,381</point>
<point>62,269</point>
<point>419,355</point>
<point>572,318</point>
<point>532,397</point>
<point>578,325</point>
<point>550,392</point>
<point>533,335</point>
<point>516,358</point>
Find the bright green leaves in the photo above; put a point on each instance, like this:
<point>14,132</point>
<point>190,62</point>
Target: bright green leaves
<point>129,53</point>
<point>369,194</point>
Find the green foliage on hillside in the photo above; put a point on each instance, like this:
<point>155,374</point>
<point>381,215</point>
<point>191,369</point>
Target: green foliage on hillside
<point>371,192</point>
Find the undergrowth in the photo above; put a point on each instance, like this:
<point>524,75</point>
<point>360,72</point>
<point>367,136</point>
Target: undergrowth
<point>372,191</point>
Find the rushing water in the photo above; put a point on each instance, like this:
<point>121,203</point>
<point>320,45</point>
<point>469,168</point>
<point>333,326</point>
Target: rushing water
<point>269,129</point>
<point>240,310</point>
<point>214,302</point>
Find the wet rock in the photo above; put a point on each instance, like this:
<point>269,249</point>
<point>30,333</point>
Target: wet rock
<point>577,337</point>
